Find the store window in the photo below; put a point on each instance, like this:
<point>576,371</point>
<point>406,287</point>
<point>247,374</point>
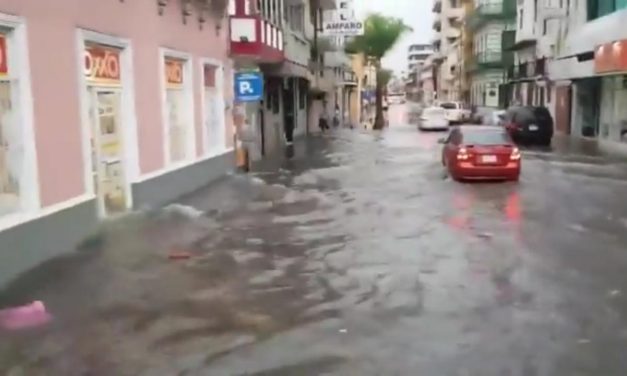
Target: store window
<point>103,76</point>
<point>11,145</point>
<point>179,110</point>
<point>214,131</point>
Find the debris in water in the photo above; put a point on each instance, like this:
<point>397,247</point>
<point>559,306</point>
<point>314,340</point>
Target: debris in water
<point>23,317</point>
<point>179,255</point>
<point>485,235</point>
<point>183,210</point>
<point>343,331</point>
<point>583,341</point>
<point>577,227</point>
<point>614,293</point>
<point>254,241</point>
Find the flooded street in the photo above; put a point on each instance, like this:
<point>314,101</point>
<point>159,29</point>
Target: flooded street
<point>358,256</point>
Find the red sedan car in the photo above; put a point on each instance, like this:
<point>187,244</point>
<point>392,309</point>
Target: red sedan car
<point>481,152</point>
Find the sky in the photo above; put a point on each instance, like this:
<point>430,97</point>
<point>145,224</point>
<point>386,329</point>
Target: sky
<point>415,13</point>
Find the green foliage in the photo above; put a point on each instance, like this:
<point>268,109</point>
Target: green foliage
<point>380,35</point>
<point>384,76</point>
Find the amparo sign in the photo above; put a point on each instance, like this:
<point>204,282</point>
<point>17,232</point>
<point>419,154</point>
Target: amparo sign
<point>343,28</point>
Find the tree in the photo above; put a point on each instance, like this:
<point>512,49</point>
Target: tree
<point>380,35</point>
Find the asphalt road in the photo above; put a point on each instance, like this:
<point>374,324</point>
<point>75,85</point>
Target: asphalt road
<point>355,257</point>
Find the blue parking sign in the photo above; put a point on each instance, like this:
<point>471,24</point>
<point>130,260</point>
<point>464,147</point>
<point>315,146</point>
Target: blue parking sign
<point>248,86</point>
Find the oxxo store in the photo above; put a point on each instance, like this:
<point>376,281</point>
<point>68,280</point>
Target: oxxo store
<point>105,128</point>
<point>610,63</point>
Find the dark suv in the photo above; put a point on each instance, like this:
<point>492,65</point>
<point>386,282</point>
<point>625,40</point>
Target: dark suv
<point>529,125</point>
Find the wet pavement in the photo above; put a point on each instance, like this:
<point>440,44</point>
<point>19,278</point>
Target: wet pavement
<point>356,257</point>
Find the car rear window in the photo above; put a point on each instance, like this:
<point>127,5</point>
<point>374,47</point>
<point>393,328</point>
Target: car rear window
<point>449,106</point>
<point>485,137</point>
<point>434,111</point>
<point>524,115</point>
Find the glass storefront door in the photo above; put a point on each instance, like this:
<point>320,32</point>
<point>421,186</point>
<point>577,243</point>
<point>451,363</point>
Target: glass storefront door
<point>107,150</point>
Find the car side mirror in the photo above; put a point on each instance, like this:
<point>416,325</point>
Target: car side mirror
<point>442,141</point>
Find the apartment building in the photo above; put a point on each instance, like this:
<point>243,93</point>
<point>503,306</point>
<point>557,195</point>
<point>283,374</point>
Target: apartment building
<point>493,25</point>
<point>417,54</point>
<point>590,71</point>
<point>447,26</point>
<point>537,27</point>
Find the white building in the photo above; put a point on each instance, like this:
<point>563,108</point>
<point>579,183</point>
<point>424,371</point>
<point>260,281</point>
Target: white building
<point>537,28</point>
<point>589,72</point>
<point>449,15</point>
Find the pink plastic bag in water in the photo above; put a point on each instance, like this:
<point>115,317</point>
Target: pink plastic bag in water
<point>24,317</point>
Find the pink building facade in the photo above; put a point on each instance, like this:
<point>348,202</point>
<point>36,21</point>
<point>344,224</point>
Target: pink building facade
<point>105,106</point>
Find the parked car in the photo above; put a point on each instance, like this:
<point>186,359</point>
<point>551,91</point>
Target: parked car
<point>397,98</point>
<point>433,118</point>
<point>456,112</point>
<point>480,152</point>
<point>529,125</point>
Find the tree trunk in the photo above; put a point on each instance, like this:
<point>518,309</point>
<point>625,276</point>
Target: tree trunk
<point>379,120</point>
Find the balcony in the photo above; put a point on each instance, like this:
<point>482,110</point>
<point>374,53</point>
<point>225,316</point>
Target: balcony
<point>455,14</point>
<point>436,39</point>
<point>452,33</point>
<point>256,39</point>
<point>437,6</point>
<point>336,59</point>
<point>437,24</point>
<point>494,10</point>
<point>350,79</point>
<point>491,59</point>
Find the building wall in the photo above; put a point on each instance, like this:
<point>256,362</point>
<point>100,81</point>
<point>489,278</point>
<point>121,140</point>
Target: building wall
<point>55,85</point>
<point>53,71</point>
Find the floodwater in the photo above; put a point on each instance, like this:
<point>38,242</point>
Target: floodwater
<point>357,256</point>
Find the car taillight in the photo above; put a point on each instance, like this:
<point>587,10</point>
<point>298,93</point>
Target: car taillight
<point>515,156</point>
<point>462,154</point>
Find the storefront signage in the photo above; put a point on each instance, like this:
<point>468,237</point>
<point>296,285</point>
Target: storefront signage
<point>611,57</point>
<point>174,72</point>
<point>343,28</point>
<point>4,64</point>
<point>102,64</point>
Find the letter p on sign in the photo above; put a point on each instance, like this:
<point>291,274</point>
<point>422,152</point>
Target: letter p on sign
<point>245,88</point>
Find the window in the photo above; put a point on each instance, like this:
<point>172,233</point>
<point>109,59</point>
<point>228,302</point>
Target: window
<point>302,94</point>
<point>214,126</point>
<point>18,187</point>
<point>178,109</point>
<point>11,150</point>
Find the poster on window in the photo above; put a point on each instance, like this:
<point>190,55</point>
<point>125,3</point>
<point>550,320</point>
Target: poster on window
<point>175,99</point>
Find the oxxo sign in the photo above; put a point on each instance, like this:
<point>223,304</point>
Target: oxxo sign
<point>102,64</point>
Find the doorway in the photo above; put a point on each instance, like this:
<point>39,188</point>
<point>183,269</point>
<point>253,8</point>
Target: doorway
<point>262,130</point>
<point>107,149</point>
<point>289,115</point>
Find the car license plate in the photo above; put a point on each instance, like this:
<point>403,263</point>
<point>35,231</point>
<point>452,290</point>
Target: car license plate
<point>488,159</point>
<point>533,127</point>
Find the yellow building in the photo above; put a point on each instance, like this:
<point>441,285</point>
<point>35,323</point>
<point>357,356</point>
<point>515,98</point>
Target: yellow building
<point>362,102</point>
<point>467,53</point>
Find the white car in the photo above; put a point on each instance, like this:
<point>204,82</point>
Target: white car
<point>433,118</point>
<point>456,112</point>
